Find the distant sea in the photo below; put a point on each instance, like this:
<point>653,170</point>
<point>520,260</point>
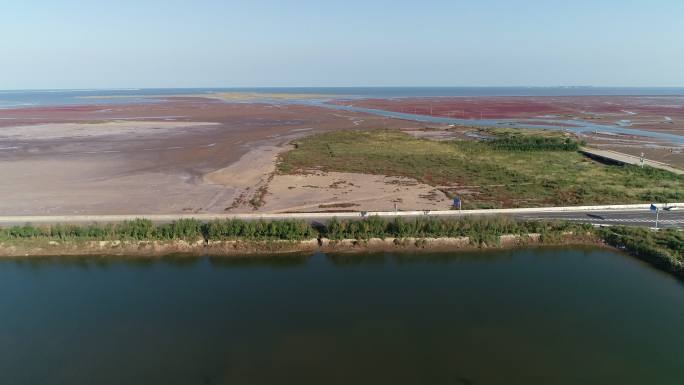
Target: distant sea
<point>28,98</point>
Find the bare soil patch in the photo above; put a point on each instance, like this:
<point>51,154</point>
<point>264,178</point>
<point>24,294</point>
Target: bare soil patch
<point>150,157</point>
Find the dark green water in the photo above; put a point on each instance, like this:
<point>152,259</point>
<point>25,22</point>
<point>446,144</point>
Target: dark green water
<point>543,316</point>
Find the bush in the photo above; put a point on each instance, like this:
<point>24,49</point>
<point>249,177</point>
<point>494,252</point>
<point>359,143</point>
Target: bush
<point>664,248</point>
<point>486,229</point>
<point>510,142</point>
<point>259,230</point>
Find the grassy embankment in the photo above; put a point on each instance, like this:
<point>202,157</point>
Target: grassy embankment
<point>664,249</point>
<point>513,170</point>
<point>479,230</point>
<point>189,230</point>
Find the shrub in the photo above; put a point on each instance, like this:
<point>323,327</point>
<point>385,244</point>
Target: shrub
<point>511,142</point>
<point>664,248</point>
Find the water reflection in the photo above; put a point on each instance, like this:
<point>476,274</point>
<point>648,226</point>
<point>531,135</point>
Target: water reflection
<point>278,261</point>
<point>546,315</point>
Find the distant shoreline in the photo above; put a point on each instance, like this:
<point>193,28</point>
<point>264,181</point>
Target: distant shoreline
<point>54,97</point>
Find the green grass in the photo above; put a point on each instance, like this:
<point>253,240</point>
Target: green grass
<point>519,141</point>
<point>480,229</point>
<point>664,248</point>
<point>517,173</point>
<point>144,230</point>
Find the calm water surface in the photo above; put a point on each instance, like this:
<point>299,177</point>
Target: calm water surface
<point>541,316</point>
<point>29,98</point>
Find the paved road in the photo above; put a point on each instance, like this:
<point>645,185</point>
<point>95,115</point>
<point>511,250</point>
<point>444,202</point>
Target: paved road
<point>619,157</point>
<point>616,216</point>
<point>642,218</point>
<point>639,218</point>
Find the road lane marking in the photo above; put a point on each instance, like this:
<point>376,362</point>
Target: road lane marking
<point>589,219</point>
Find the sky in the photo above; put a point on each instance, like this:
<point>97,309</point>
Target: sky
<point>260,43</point>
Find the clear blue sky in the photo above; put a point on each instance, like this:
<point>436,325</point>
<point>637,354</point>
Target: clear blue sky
<point>204,43</point>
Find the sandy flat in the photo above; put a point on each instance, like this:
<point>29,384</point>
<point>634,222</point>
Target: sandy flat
<point>192,155</point>
<point>85,130</point>
<point>351,192</point>
<point>247,177</point>
<point>255,173</point>
<point>79,186</point>
<point>250,170</point>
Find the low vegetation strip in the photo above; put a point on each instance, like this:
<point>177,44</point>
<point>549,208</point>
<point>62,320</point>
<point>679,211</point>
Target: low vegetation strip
<point>479,229</point>
<point>664,248</point>
<point>520,140</point>
<point>145,230</point>
<point>506,172</point>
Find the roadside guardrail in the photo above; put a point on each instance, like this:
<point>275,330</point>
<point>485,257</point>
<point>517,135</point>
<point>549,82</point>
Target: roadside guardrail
<point>113,218</point>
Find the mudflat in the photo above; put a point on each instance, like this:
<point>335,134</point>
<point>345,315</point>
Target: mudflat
<point>663,114</point>
<point>161,157</point>
<point>217,153</point>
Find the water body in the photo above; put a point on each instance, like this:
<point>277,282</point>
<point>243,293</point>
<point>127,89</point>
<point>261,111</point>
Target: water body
<point>575,125</point>
<point>26,98</point>
<point>538,316</point>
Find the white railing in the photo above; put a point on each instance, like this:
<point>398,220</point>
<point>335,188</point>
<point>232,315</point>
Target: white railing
<point>20,219</point>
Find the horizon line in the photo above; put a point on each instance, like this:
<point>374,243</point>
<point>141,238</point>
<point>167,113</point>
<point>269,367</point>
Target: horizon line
<point>91,89</point>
